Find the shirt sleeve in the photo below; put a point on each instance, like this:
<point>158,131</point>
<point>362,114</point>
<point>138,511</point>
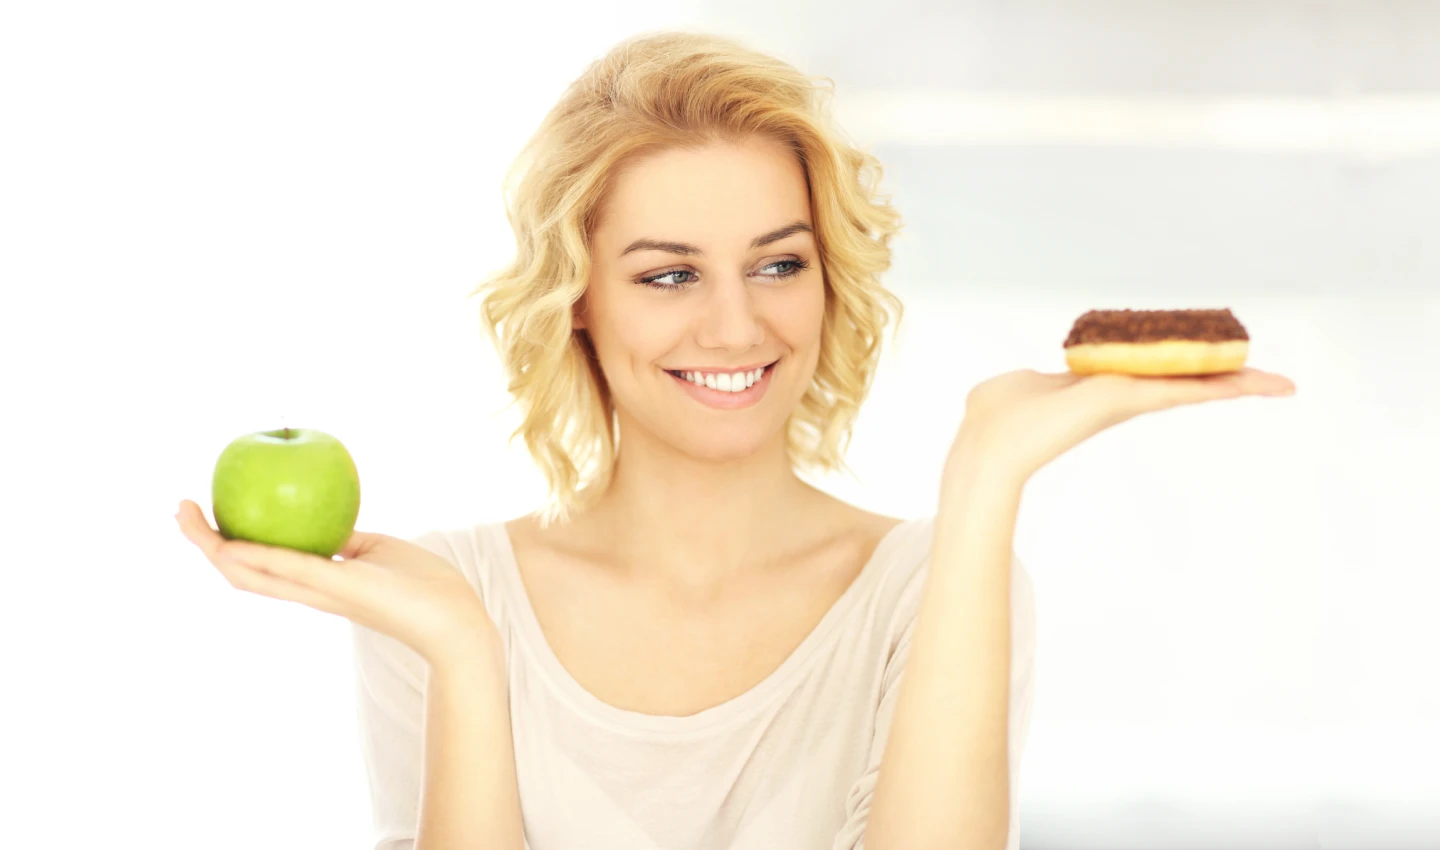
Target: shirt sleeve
<point>1022,697</point>
<point>391,701</point>
<point>390,697</point>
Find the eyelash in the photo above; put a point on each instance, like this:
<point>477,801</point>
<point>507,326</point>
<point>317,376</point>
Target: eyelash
<point>797,266</point>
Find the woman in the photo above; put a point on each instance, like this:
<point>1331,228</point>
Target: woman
<point>690,647</point>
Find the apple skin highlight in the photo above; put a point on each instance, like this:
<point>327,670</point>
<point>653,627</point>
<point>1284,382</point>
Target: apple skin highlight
<point>292,487</point>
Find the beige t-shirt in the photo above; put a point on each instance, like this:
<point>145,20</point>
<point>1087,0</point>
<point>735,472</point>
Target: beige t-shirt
<point>790,764</point>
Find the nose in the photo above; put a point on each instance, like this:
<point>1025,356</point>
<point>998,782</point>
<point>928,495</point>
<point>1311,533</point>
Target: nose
<point>729,318</point>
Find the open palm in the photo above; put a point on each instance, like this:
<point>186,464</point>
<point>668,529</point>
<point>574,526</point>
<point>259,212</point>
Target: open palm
<point>384,583</point>
<point>1030,418</point>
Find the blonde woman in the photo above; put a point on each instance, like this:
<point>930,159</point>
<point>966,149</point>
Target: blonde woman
<point>689,647</point>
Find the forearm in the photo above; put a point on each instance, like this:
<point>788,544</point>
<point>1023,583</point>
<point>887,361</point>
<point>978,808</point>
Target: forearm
<point>944,777</point>
<point>469,800</point>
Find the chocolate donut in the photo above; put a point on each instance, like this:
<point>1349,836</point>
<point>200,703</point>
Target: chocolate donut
<point>1157,342</point>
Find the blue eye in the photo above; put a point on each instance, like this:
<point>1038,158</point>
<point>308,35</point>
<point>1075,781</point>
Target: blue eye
<point>655,281</point>
<point>796,267</point>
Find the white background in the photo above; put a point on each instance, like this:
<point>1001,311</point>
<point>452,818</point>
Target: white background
<point>218,219</point>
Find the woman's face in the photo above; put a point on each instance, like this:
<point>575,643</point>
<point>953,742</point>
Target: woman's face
<point>704,273</point>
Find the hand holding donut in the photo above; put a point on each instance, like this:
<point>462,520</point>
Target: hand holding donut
<point>1135,362</point>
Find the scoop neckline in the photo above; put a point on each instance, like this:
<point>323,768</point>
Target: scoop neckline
<point>554,673</point>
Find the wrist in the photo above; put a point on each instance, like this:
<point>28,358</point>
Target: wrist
<point>979,461</point>
<point>477,651</point>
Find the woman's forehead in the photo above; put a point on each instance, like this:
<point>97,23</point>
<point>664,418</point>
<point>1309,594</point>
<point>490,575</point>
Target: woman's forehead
<point>719,194</point>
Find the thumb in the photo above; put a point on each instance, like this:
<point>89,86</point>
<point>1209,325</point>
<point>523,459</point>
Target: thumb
<point>360,543</point>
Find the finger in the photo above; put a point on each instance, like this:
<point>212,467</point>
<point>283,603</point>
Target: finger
<point>1258,382</point>
<point>1243,382</point>
<point>1144,393</point>
<point>336,579</point>
<point>244,577</point>
<point>250,577</point>
<point>1178,392</point>
<point>299,569</point>
<point>1056,380</point>
<point>360,543</point>
<point>197,529</point>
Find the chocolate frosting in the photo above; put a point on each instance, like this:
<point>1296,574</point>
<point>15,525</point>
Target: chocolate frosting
<point>1100,326</point>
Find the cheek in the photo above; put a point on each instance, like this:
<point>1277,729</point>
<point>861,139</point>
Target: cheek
<point>632,332</point>
<point>798,313</point>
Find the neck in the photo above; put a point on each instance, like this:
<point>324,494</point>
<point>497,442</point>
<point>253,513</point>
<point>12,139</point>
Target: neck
<point>698,522</point>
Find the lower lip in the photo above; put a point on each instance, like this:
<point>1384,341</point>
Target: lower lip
<point>725,400</point>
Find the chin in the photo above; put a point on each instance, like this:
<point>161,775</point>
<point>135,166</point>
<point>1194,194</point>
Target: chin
<point>719,447</point>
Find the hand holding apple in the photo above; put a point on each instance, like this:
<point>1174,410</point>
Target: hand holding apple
<point>384,583</point>
<point>285,503</point>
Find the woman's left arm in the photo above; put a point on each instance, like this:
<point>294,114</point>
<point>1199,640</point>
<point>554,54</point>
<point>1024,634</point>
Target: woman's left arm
<point>944,780</point>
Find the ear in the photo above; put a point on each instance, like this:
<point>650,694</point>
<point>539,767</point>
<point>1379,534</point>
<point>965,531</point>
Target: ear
<point>577,315</point>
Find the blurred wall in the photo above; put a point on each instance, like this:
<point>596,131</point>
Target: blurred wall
<point>214,220</point>
<point>1234,602</point>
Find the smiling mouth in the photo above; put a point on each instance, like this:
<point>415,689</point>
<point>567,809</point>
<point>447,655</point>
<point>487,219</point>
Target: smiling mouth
<point>733,382</point>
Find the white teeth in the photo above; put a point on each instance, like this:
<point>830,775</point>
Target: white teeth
<point>730,382</point>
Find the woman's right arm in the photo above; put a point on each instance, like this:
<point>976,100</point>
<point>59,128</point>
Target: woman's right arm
<point>434,707</point>
<point>469,798</point>
<point>437,744</point>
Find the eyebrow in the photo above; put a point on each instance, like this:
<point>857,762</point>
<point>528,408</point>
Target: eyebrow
<point>691,250</point>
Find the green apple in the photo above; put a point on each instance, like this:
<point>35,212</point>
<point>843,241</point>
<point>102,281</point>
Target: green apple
<point>293,487</point>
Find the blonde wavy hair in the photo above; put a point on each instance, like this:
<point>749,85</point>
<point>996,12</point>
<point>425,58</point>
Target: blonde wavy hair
<point>649,93</point>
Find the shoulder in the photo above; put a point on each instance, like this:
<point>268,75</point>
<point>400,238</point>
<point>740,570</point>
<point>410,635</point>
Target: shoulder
<point>903,563</point>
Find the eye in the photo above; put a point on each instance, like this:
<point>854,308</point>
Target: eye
<point>656,281</point>
<point>796,267</point>
<point>659,281</point>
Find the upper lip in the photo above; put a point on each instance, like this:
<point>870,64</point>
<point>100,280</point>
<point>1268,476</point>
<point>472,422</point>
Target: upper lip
<point>725,370</point>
